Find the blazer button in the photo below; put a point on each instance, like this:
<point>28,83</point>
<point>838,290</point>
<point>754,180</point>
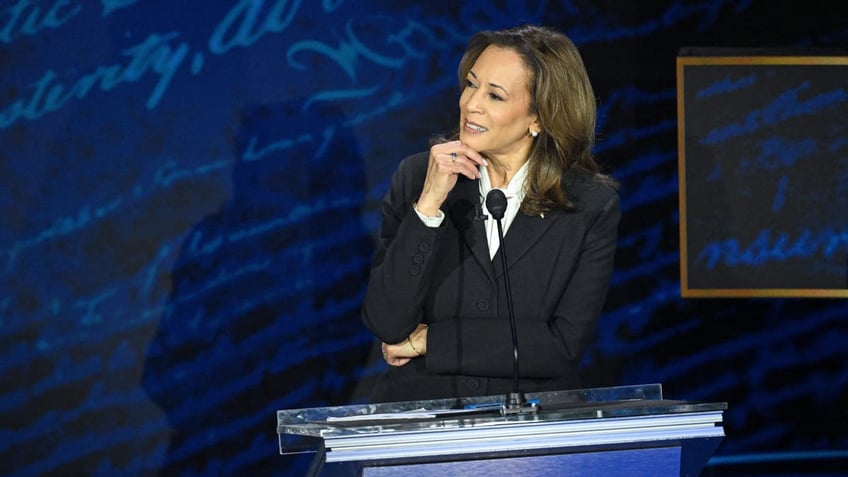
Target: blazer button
<point>472,384</point>
<point>417,259</point>
<point>414,269</point>
<point>424,247</point>
<point>483,305</point>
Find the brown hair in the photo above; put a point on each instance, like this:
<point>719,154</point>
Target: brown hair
<point>562,97</point>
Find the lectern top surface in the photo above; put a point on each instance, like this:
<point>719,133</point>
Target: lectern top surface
<point>481,411</point>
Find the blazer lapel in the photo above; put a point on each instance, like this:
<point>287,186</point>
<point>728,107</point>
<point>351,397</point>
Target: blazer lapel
<point>526,231</point>
<point>466,213</point>
<point>522,235</point>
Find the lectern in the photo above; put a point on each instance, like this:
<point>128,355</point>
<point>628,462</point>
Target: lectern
<point>615,431</point>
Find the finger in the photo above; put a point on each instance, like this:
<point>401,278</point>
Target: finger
<point>447,159</point>
<point>472,155</point>
<point>462,164</point>
<point>395,350</point>
<point>392,357</point>
<point>400,351</point>
<point>397,361</point>
<point>448,146</point>
<point>445,149</point>
<point>456,162</point>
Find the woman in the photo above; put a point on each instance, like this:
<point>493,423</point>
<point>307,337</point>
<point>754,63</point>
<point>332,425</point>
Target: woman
<point>436,296</point>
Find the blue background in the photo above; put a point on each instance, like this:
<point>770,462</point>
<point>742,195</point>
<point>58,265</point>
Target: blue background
<point>190,195</point>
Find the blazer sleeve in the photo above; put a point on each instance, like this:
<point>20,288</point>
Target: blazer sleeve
<point>583,300</point>
<point>401,272</point>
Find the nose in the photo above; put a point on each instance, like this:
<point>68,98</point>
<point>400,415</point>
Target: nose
<point>470,101</point>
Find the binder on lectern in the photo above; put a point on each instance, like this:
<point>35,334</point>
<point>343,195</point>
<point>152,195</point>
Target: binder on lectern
<point>615,431</point>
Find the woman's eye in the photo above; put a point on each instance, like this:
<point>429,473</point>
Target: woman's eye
<point>494,96</point>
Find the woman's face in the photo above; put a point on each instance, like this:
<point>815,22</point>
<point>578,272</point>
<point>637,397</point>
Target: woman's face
<point>494,107</point>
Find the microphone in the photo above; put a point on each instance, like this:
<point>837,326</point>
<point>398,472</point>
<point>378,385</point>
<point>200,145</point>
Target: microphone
<point>516,402</point>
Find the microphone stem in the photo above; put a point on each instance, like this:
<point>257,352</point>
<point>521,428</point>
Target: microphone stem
<point>515,387</point>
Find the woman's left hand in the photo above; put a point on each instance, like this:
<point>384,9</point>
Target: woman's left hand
<point>414,346</point>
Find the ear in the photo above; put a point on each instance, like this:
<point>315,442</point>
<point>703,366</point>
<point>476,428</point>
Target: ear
<point>535,125</point>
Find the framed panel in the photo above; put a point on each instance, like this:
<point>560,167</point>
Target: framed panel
<point>763,174</point>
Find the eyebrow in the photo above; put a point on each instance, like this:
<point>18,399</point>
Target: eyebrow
<point>494,85</point>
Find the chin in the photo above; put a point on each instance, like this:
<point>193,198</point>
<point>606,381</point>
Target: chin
<point>470,140</point>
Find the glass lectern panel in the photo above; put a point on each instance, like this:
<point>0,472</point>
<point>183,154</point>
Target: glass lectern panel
<point>304,430</point>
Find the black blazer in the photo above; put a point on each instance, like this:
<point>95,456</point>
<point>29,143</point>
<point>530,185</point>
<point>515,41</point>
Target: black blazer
<point>559,271</point>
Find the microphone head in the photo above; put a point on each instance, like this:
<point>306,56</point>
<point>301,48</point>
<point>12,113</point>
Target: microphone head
<point>496,203</point>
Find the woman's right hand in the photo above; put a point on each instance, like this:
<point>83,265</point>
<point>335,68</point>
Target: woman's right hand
<point>447,161</point>
<point>401,353</point>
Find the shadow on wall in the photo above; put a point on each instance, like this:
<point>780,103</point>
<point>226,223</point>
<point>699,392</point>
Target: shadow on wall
<point>264,306</point>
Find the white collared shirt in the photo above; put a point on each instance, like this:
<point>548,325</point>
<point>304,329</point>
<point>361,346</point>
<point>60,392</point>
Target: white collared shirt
<point>514,192</point>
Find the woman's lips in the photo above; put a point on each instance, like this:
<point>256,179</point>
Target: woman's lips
<point>474,128</point>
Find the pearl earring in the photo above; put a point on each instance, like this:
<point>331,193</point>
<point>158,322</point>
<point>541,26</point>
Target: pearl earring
<point>534,133</point>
